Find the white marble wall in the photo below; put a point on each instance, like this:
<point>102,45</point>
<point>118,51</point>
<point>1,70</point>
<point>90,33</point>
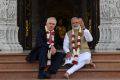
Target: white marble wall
<point>8,27</point>
<point>109,26</point>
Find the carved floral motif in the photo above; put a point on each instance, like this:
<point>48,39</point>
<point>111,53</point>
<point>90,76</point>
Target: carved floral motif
<point>8,11</point>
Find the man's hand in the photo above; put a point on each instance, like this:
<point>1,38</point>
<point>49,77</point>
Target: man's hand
<point>68,55</point>
<point>81,23</point>
<point>53,50</point>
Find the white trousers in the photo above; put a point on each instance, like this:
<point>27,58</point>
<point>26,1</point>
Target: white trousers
<point>83,58</point>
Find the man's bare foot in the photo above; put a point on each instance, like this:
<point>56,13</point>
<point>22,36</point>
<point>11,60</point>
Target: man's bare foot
<point>66,75</point>
<point>92,64</point>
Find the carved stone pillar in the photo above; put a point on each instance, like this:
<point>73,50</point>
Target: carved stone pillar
<point>8,27</point>
<point>109,26</point>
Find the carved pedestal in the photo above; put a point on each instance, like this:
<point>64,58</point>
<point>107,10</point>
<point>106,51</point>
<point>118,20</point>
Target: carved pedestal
<point>9,40</point>
<point>109,26</point>
<point>8,27</point>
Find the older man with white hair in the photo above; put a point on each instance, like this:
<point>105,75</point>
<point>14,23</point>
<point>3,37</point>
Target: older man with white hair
<point>46,50</point>
<point>76,47</point>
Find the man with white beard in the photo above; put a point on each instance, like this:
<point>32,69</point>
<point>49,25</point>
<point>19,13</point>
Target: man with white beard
<point>76,47</point>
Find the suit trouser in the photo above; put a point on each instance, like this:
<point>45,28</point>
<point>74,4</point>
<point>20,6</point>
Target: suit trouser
<point>83,58</point>
<point>56,60</point>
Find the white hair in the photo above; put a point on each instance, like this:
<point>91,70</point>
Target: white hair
<point>74,18</point>
<point>51,18</point>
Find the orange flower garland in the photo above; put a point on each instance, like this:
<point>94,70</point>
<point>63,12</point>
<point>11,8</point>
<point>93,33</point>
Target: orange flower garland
<point>51,43</point>
<point>76,50</point>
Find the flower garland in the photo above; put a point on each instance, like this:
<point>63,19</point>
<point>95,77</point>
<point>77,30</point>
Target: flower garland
<point>50,41</point>
<point>76,50</point>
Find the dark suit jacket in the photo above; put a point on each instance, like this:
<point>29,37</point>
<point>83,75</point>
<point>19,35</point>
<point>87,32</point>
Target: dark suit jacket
<point>41,41</point>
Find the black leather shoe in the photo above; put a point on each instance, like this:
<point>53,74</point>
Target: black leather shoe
<point>41,75</point>
<point>66,66</point>
<point>47,75</point>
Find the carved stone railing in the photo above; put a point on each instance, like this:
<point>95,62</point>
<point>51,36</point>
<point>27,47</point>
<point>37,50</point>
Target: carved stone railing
<point>109,26</point>
<point>8,27</point>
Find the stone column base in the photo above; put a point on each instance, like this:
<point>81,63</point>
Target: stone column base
<point>9,39</point>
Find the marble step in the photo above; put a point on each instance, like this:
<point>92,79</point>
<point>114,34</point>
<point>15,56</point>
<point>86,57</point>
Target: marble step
<point>100,64</point>
<point>95,56</point>
<point>83,73</point>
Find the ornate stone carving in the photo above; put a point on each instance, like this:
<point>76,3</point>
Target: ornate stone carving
<point>11,12</point>
<point>8,27</point>
<point>2,11</point>
<point>2,35</point>
<point>109,26</point>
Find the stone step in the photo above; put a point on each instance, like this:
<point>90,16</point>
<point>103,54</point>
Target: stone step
<point>14,67</point>
<point>111,64</point>
<point>95,56</point>
<point>83,73</point>
<point>18,74</point>
<point>92,74</point>
<point>100,64</point>
<point>18,65</point>
<point>69,79</point>
<point>106,56</point>
<point>13,57</point>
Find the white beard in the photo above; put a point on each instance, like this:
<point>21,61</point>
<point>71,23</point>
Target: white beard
<point>77,27</point>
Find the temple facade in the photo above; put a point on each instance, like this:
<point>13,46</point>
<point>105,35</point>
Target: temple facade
<point>20,20</point>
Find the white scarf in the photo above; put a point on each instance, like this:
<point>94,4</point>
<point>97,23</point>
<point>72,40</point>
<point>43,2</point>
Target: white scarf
<point>50,44</point>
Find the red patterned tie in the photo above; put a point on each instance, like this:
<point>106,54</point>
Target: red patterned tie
<point>50,38</point>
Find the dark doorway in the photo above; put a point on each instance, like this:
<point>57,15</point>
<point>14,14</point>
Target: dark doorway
<point>36,12</point>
